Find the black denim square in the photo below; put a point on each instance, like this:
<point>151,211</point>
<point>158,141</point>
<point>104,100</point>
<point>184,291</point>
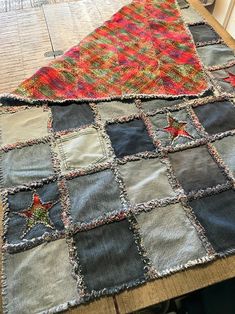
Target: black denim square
<point>216,117</point>
<point>69,116</point>
<point>108,256</point>
<point>203,33</point>
<point>216,213</point>
<point>195,169</point>
<point>129,138</point>
<point>22,201</point>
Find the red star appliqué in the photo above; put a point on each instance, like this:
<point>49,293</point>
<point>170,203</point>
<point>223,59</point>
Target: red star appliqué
<point>37,213</point>
<point>230,79</point>
<point>176,128</point>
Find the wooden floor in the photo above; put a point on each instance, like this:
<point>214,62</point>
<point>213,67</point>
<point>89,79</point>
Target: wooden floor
<point>32,32</point>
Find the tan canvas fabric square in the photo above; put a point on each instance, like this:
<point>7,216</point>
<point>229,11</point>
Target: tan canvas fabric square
<point>24,125</point>
<point>30,273</point>
<point>146,180</point>
<point>169,237</point>
<point>116,109</point>
<point>81,149</point>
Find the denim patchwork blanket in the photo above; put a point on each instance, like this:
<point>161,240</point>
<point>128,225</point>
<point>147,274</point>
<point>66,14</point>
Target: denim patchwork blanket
<point>118,160</point>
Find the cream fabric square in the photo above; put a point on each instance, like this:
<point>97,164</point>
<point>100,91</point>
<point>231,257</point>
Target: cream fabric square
<point>116,109</point>
<point>146,180</point>
<point>24,125</point>
<point>81,149</point>
<point>39,279</point>
<point>169,237</point>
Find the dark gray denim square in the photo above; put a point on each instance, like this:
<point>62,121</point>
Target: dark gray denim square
<point>69,116</point>
<point>225,79</point>
<point>93,195</point>
<point>195,169</point>
<point>216,213</point>
<point>203,33</point>
<point>27,164</point>
<point>108,256</point>
<point>216,54</point>
<point>22,201</point>
<point>129,138</point>
<point>156,104</point>
<point>216,117</point>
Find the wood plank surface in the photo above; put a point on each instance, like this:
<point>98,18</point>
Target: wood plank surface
<point>24,39</point>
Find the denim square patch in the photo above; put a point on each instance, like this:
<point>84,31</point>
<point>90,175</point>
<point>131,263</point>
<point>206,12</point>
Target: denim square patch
<point>129,138</point>
<point>70,116</point>
<point>115,109</point>
<point>216,213</point>
<point>216,117</point>
<point>215,54</point>
<point>93,195</point>
<point>203,33</point>
<point>156,104</point>
<point>30,273</point>
<point>225,78</point>
<point>226,149</point>
<point>146,180</point>
<point>34,213</point>
<point>169,237</point>
<point>81,149</point>
<point>174,128</point>
<point>24,125</point>
<point>27,164</point>
<point>109,257</point>
<point>191,16</point>
<point>195,169</point>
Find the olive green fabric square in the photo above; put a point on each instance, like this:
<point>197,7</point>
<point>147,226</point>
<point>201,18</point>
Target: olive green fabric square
<point>115,109</point>
<point>24,125</point>
<point>146,180</point>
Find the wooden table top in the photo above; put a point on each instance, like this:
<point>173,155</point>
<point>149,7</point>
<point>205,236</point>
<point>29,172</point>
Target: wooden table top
<point>22,52</point>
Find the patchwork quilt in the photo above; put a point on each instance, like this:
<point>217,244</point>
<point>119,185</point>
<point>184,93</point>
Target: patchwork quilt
<point>118,160</point>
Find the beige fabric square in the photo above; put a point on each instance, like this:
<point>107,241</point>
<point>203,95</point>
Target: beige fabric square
<point>39,279</point>
<point>146,180</point>
<point>24,125</point>
<point>81,149</point>
<point>116,109</point>
<point>169,237</point>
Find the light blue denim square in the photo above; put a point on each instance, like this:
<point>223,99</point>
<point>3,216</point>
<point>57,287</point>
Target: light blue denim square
<point>25,165</point>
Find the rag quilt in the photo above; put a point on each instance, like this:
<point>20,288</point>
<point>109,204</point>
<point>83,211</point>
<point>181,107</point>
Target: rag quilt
<point>118,160</point>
